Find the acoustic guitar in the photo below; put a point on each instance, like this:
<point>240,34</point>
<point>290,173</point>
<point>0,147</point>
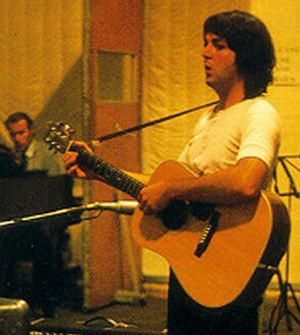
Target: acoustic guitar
<point>220,255</point>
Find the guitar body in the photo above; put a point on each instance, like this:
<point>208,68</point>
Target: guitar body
<point>245,244</point>
<point>233,268</point>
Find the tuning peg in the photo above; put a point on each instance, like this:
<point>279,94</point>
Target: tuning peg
<point>70,130</point>
<point>52,146</point>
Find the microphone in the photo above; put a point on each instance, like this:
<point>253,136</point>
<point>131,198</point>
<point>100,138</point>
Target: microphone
<point>120,207</point>
<point>74,213</point>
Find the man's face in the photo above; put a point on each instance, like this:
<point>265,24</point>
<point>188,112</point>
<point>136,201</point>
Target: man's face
<point>21,134</point>
<point>219,63</point>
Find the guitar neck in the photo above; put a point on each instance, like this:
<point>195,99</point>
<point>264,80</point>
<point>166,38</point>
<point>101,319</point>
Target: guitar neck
<point>110,174</point>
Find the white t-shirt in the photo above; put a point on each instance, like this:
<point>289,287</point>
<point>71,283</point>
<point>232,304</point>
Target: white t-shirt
<point>250,128</point>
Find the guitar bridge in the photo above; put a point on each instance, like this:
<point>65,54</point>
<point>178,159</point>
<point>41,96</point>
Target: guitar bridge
<point>207,234</point>
<point>267,267</point>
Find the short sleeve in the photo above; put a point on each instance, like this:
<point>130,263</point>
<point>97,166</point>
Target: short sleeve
<point>260,135</point>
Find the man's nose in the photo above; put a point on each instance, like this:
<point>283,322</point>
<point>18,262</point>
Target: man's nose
<point>207,52</point>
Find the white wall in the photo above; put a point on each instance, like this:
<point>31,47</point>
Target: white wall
<point>282,18</point>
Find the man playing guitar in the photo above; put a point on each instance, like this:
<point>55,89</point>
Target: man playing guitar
<point>232,154</point>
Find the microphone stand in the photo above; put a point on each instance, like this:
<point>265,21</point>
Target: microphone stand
<point>73,214</point>
<point>285,286</point>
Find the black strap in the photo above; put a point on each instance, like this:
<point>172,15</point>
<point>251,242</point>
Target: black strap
<point>151,123</point>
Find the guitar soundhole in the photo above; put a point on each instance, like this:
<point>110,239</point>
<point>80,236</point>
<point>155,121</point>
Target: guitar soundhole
<point>175,215</point>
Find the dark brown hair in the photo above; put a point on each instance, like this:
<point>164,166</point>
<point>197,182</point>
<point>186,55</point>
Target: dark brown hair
<point>249,38</point>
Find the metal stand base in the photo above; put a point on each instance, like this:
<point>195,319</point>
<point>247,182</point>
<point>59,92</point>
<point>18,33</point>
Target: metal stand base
<point>282,308</point>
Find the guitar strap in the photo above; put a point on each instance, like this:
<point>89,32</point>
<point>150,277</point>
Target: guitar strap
<point>151,123</point>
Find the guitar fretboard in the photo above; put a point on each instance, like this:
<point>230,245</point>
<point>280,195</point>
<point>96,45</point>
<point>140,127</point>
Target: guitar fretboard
<point>110,174</point>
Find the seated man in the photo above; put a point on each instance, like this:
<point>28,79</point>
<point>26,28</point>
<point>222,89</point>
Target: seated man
<point>31,154</point>
<point>30,264</point>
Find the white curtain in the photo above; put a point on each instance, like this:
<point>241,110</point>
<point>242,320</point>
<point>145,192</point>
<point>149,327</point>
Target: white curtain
<point>40,40</point>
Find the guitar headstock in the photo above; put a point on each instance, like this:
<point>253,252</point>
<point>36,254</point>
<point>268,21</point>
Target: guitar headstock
<point>59,136</point>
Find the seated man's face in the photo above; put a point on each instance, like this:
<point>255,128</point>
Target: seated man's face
<point>21,134</point>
